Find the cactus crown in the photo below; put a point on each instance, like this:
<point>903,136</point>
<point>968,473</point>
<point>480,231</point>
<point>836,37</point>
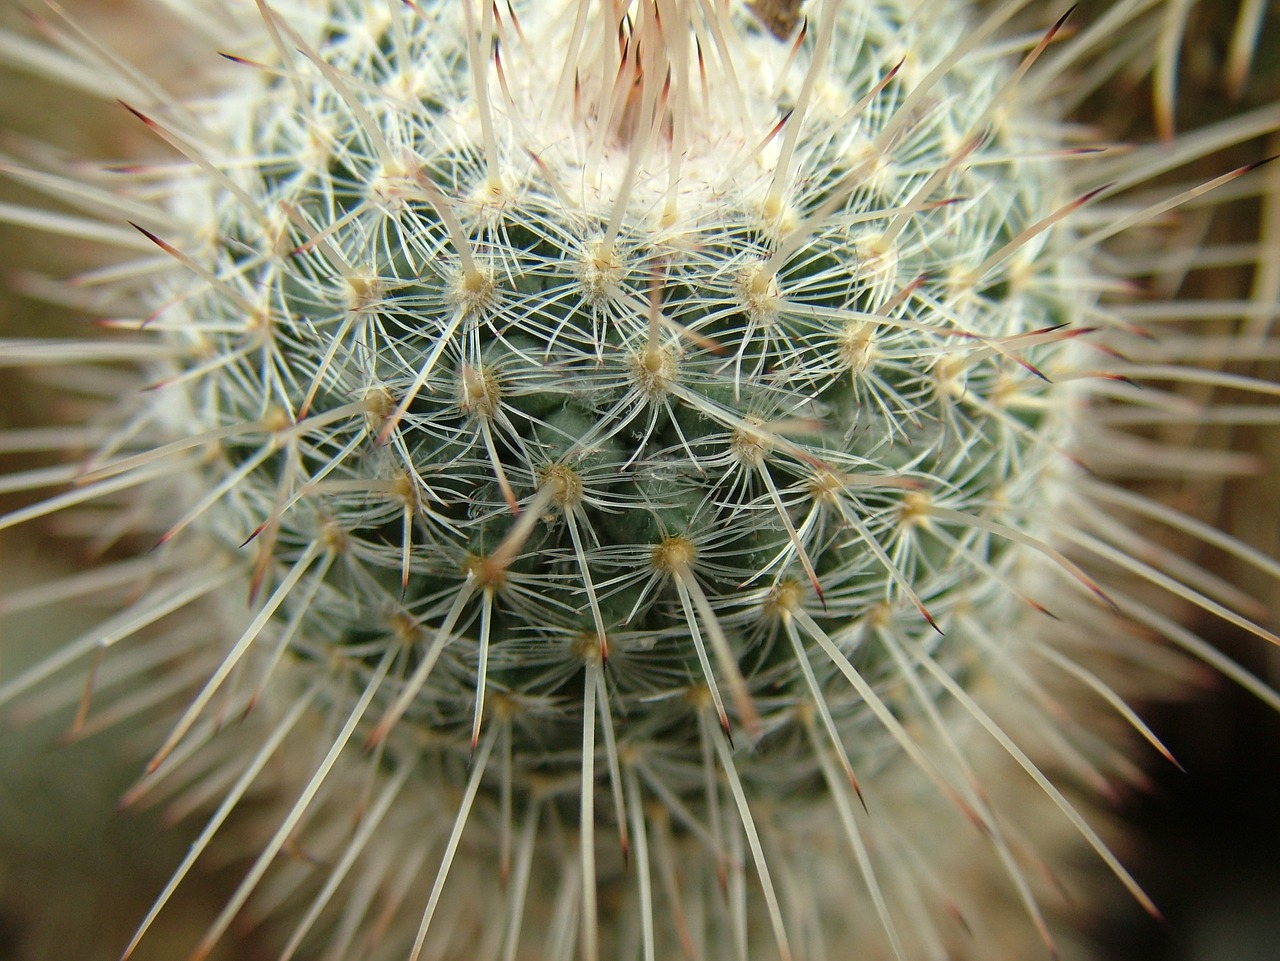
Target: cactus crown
<point>581,399</point>
<point>624,347</point>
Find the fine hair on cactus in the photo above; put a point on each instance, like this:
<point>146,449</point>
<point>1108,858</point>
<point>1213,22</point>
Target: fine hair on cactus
<point>631,479</point>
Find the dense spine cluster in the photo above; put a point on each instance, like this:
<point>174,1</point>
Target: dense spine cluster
<point>645,433</point>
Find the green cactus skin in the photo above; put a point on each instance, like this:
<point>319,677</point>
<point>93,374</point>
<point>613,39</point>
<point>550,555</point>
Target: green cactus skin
<point>646,434</point>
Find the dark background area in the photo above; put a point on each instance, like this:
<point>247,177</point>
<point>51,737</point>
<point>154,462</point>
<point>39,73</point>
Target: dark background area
<point>1208,838</point>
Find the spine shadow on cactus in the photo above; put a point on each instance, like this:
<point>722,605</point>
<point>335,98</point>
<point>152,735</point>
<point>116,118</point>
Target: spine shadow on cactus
<point>649,470</point>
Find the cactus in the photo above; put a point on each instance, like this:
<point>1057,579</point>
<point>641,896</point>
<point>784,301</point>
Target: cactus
<point>654,442</point>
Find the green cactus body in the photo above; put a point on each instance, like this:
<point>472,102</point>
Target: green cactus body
<point>643,428</point>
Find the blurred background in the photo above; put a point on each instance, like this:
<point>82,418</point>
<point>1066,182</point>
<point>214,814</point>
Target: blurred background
<point>1209,838</point>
